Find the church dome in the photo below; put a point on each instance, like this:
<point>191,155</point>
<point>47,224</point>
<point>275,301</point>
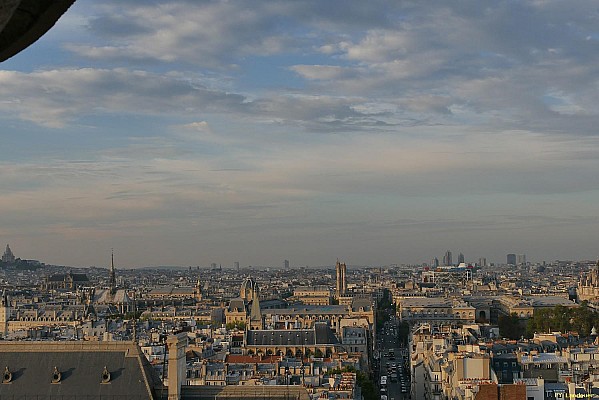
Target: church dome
<point>249,289</point>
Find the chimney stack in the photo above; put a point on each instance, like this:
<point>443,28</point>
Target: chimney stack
<point>176,345</point>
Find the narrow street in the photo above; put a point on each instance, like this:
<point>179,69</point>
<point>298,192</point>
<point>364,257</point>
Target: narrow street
<point>396,385</point>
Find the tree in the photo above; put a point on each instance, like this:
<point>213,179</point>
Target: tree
<point>236,325</point>
<point>404,332</point>
<point>510,326</point>
<point>563,319</point>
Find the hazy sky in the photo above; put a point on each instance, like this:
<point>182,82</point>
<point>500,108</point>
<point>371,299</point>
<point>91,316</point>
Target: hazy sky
<point>377,132</point>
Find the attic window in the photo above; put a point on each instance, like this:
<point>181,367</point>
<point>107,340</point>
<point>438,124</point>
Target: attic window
<point>7,376</point>
<point>56,375</point>
<point>105,376</point>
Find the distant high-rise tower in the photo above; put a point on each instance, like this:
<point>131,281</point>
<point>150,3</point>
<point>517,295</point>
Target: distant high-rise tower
<point>511,259</point>
<point>8,256</point>
<point>435,263</point>
<point>482,262</point>
<point>461,258</point>
<point>112,279</point>
<point>286,264</point>
<point>236,265</point>
<point>341,271</point>
<point>521,259</point>
<point>447,259</point>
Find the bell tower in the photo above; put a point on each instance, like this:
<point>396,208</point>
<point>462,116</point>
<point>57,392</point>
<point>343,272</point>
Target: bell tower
<point>198,290</point>
<point>4,314</point>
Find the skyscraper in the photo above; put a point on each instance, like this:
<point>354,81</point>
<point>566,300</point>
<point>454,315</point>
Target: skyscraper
<point>511,259</point>
<point>341,270</point>
<point>461,258</point>
<point>286,264</point>
<point>447,259</point>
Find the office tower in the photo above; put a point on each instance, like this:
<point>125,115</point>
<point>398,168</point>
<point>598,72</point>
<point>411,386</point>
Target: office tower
<point>341,270</point>
<point>521,259</point>
<point>511,259</point>
<point>286,264</point>
<point>447,260</point>
<point>461,258</point>
<point>482,262</point>
<point>435,263</point>
<point>236,265</point>
<point>213,265</point>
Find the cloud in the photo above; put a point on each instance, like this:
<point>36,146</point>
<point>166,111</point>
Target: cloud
<point>203,33</point>
<point>199,126</point>
<point>54,97</point>
<point>218,121</point>
<point>322,72</point>
<point>488,64</point>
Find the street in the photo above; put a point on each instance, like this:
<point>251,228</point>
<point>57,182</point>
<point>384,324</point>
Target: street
<point>393,359</point>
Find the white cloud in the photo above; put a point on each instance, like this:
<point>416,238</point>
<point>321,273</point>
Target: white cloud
<point>303,117</point>
<point>321,72</point>
<point>54,97</point>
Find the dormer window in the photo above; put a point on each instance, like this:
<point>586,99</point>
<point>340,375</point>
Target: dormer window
<point>56,375</point>
<point>105,375</point>
<point>7,376</point>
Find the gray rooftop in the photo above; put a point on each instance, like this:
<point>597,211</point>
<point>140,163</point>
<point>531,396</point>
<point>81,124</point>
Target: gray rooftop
<point>321,334</point>
<point>81,365</point>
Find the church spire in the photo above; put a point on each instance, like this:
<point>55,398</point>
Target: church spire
<point>256,314</point>
<point>112,279</point>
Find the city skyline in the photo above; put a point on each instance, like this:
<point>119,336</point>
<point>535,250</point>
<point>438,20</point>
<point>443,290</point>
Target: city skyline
<point>511,259</point>
<point>196,132</point>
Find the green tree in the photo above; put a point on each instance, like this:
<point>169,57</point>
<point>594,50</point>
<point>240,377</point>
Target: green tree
<point>236,325</point>
<point>404,332</point>
<point>510,326</point>
<point>563,319</point>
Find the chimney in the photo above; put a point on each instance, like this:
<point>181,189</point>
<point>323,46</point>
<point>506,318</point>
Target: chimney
<point>176,364</point>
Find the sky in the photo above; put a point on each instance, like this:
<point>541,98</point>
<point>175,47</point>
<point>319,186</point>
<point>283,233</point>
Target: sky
<point>380,132</point>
